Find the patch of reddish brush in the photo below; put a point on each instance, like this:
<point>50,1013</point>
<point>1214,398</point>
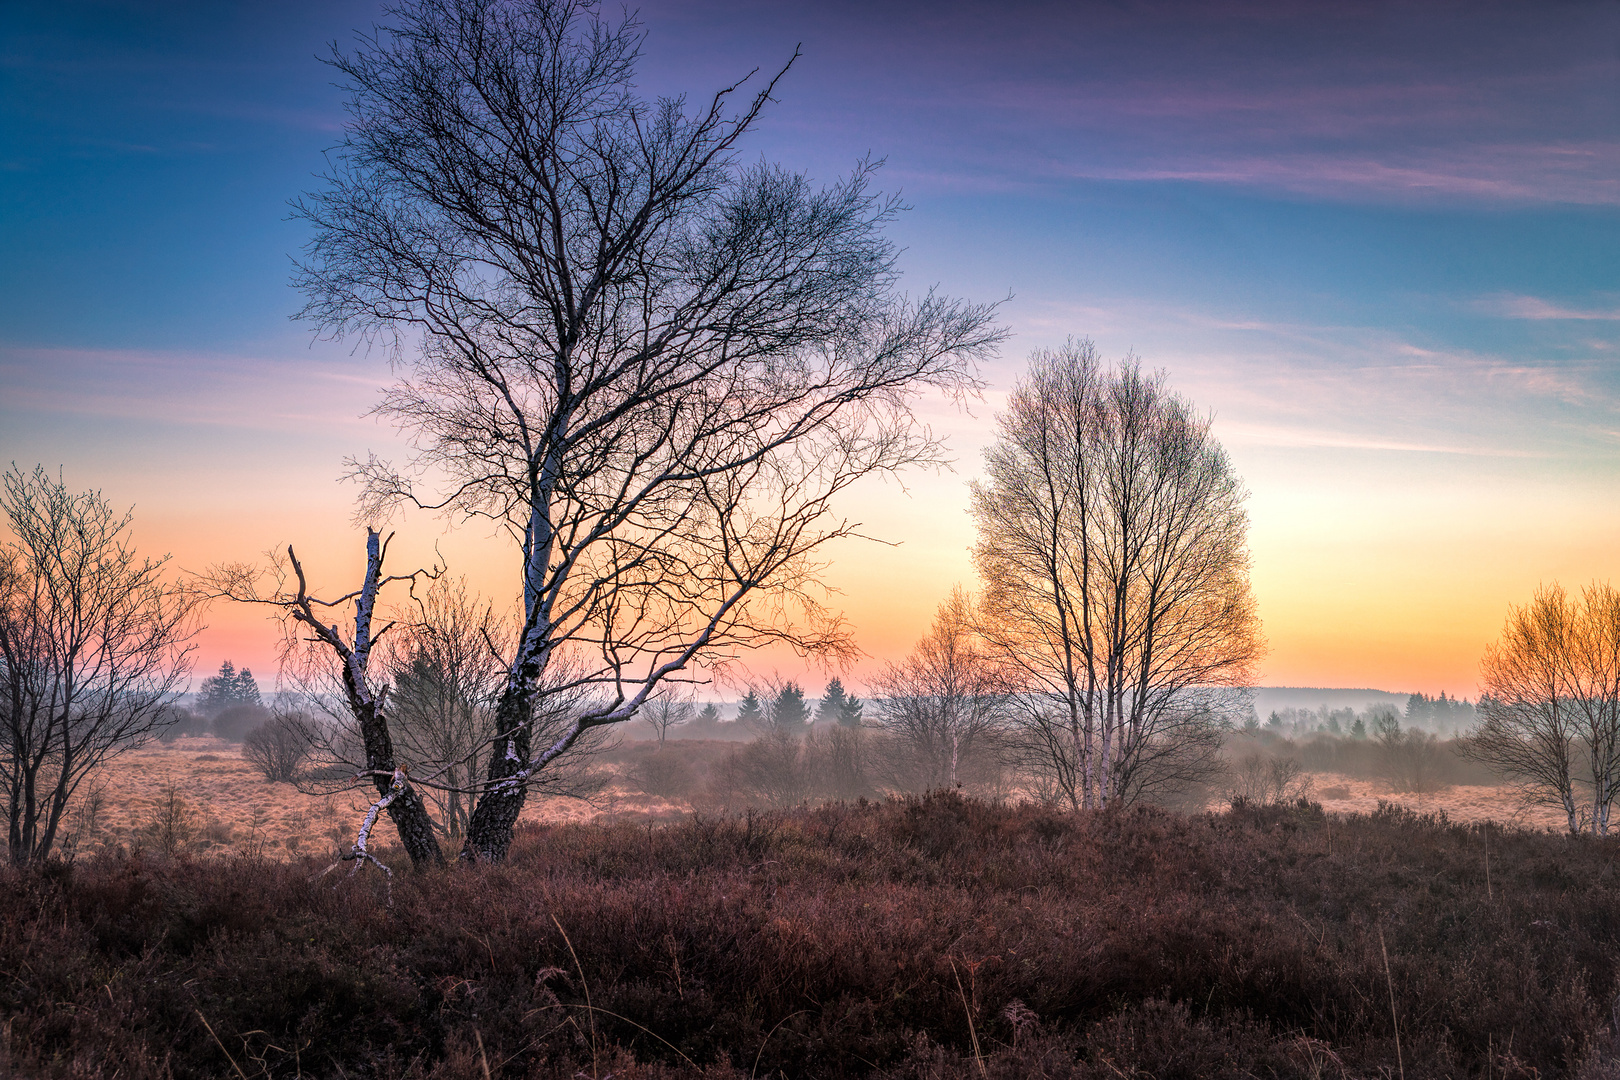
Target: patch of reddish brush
<point>927,937</point>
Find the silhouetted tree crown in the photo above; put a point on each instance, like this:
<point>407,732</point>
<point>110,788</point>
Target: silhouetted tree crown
<point>749,710</point>
<point>229,688</point>
<point>838,706</point>
<point>650,358</point>
<point>789,711</point>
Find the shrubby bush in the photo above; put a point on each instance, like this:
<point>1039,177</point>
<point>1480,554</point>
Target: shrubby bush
<point>182,722</point>
<point>233,724</point>
<point>663,774</point>
<point>281,746</point>
<point>925,937</point>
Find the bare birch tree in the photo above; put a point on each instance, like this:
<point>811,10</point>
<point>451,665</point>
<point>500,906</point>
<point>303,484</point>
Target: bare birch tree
<point>95,645</point>
<point>324,649</point>
<point>947,698</point>
<point>1112,548</point>
<point>1550,713</point>
<point>654,365</point>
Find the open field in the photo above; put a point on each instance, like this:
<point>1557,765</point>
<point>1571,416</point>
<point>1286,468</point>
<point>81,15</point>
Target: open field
<point>1469,803</point>
<point>224,807</point>
<point>199,794</point>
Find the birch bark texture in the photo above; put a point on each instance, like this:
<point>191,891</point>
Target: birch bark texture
<point>1550,711</point>
<point>324,652</point>
<point>1112,547</point>
<point>652,364</point>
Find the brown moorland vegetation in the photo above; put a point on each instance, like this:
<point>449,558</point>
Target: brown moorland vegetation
<point>198,795</point>
<point>925,937</point>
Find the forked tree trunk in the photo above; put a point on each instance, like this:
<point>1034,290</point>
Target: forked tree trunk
<point>406,808</point>
<point>409,813</point>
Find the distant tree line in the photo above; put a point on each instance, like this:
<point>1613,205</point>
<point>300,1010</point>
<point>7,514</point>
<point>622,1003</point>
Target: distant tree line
<point>1440,714</point>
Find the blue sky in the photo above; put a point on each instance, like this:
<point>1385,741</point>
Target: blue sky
<point>1381,243</point>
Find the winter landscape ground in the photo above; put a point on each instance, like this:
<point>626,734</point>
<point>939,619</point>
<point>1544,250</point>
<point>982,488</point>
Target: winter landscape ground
<point>921,937</point>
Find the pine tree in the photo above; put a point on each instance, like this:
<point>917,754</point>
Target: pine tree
<point>749,711</point>
<point>833,703</point>
<point>219,691</point>
<point>709,716</point>
<point>851,716</point>
<point>1358,730</point>
<point>247,690</point>
<point>789,712</point>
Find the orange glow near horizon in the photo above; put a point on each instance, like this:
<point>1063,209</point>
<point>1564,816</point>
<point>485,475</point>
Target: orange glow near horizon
<point>1379,568</point>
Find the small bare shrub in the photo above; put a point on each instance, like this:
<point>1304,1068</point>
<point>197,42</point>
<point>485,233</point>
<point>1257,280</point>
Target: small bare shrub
<point>1261,781</point>
<point>279,747</point>
<point>769,771</point>
<point>85,821</point>
<point>1413,762</point>
<point>216,831</point>
<point>234,723</point>
<point>663,775</point>
<point>838,762</point>
<point>173,823</point>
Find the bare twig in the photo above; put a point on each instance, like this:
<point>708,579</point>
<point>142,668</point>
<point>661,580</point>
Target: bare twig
<point>1394,1014</point>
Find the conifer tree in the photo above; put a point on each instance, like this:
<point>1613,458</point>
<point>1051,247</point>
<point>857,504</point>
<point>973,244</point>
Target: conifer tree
<point>833,703</point>
<point>788,711</point>
<point>851,714</point>
<point>749,710</point>
<point>219,691</point>
<point>246,689</point>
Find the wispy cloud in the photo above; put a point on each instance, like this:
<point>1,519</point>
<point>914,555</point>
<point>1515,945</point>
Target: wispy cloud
<point>211,389</point>
<point>1510,306</point>
<point>1302,438</point>
<point>1352,102</point>
<point>1526,174</point>
<point>1362,388</point>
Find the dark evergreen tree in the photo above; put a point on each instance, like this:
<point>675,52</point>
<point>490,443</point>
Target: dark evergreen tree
<point>788,711</point>
<point>833,703</point>
<point>228,689</point>
<point>851,716</point>
<point>218,692</point>
<point>749,710</point>
<point>708,716</point>
<point>1358,730</point>
<point>247,690</point>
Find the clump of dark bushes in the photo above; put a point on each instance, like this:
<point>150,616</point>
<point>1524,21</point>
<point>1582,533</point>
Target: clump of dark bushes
<point>928,937</point>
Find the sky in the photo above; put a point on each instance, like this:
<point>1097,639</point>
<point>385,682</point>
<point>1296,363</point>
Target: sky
<point>1378,243</point>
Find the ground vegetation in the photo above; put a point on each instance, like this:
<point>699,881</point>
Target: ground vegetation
<point>923,937</point>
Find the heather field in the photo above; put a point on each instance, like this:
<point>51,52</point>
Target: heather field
<point>922,937</point>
